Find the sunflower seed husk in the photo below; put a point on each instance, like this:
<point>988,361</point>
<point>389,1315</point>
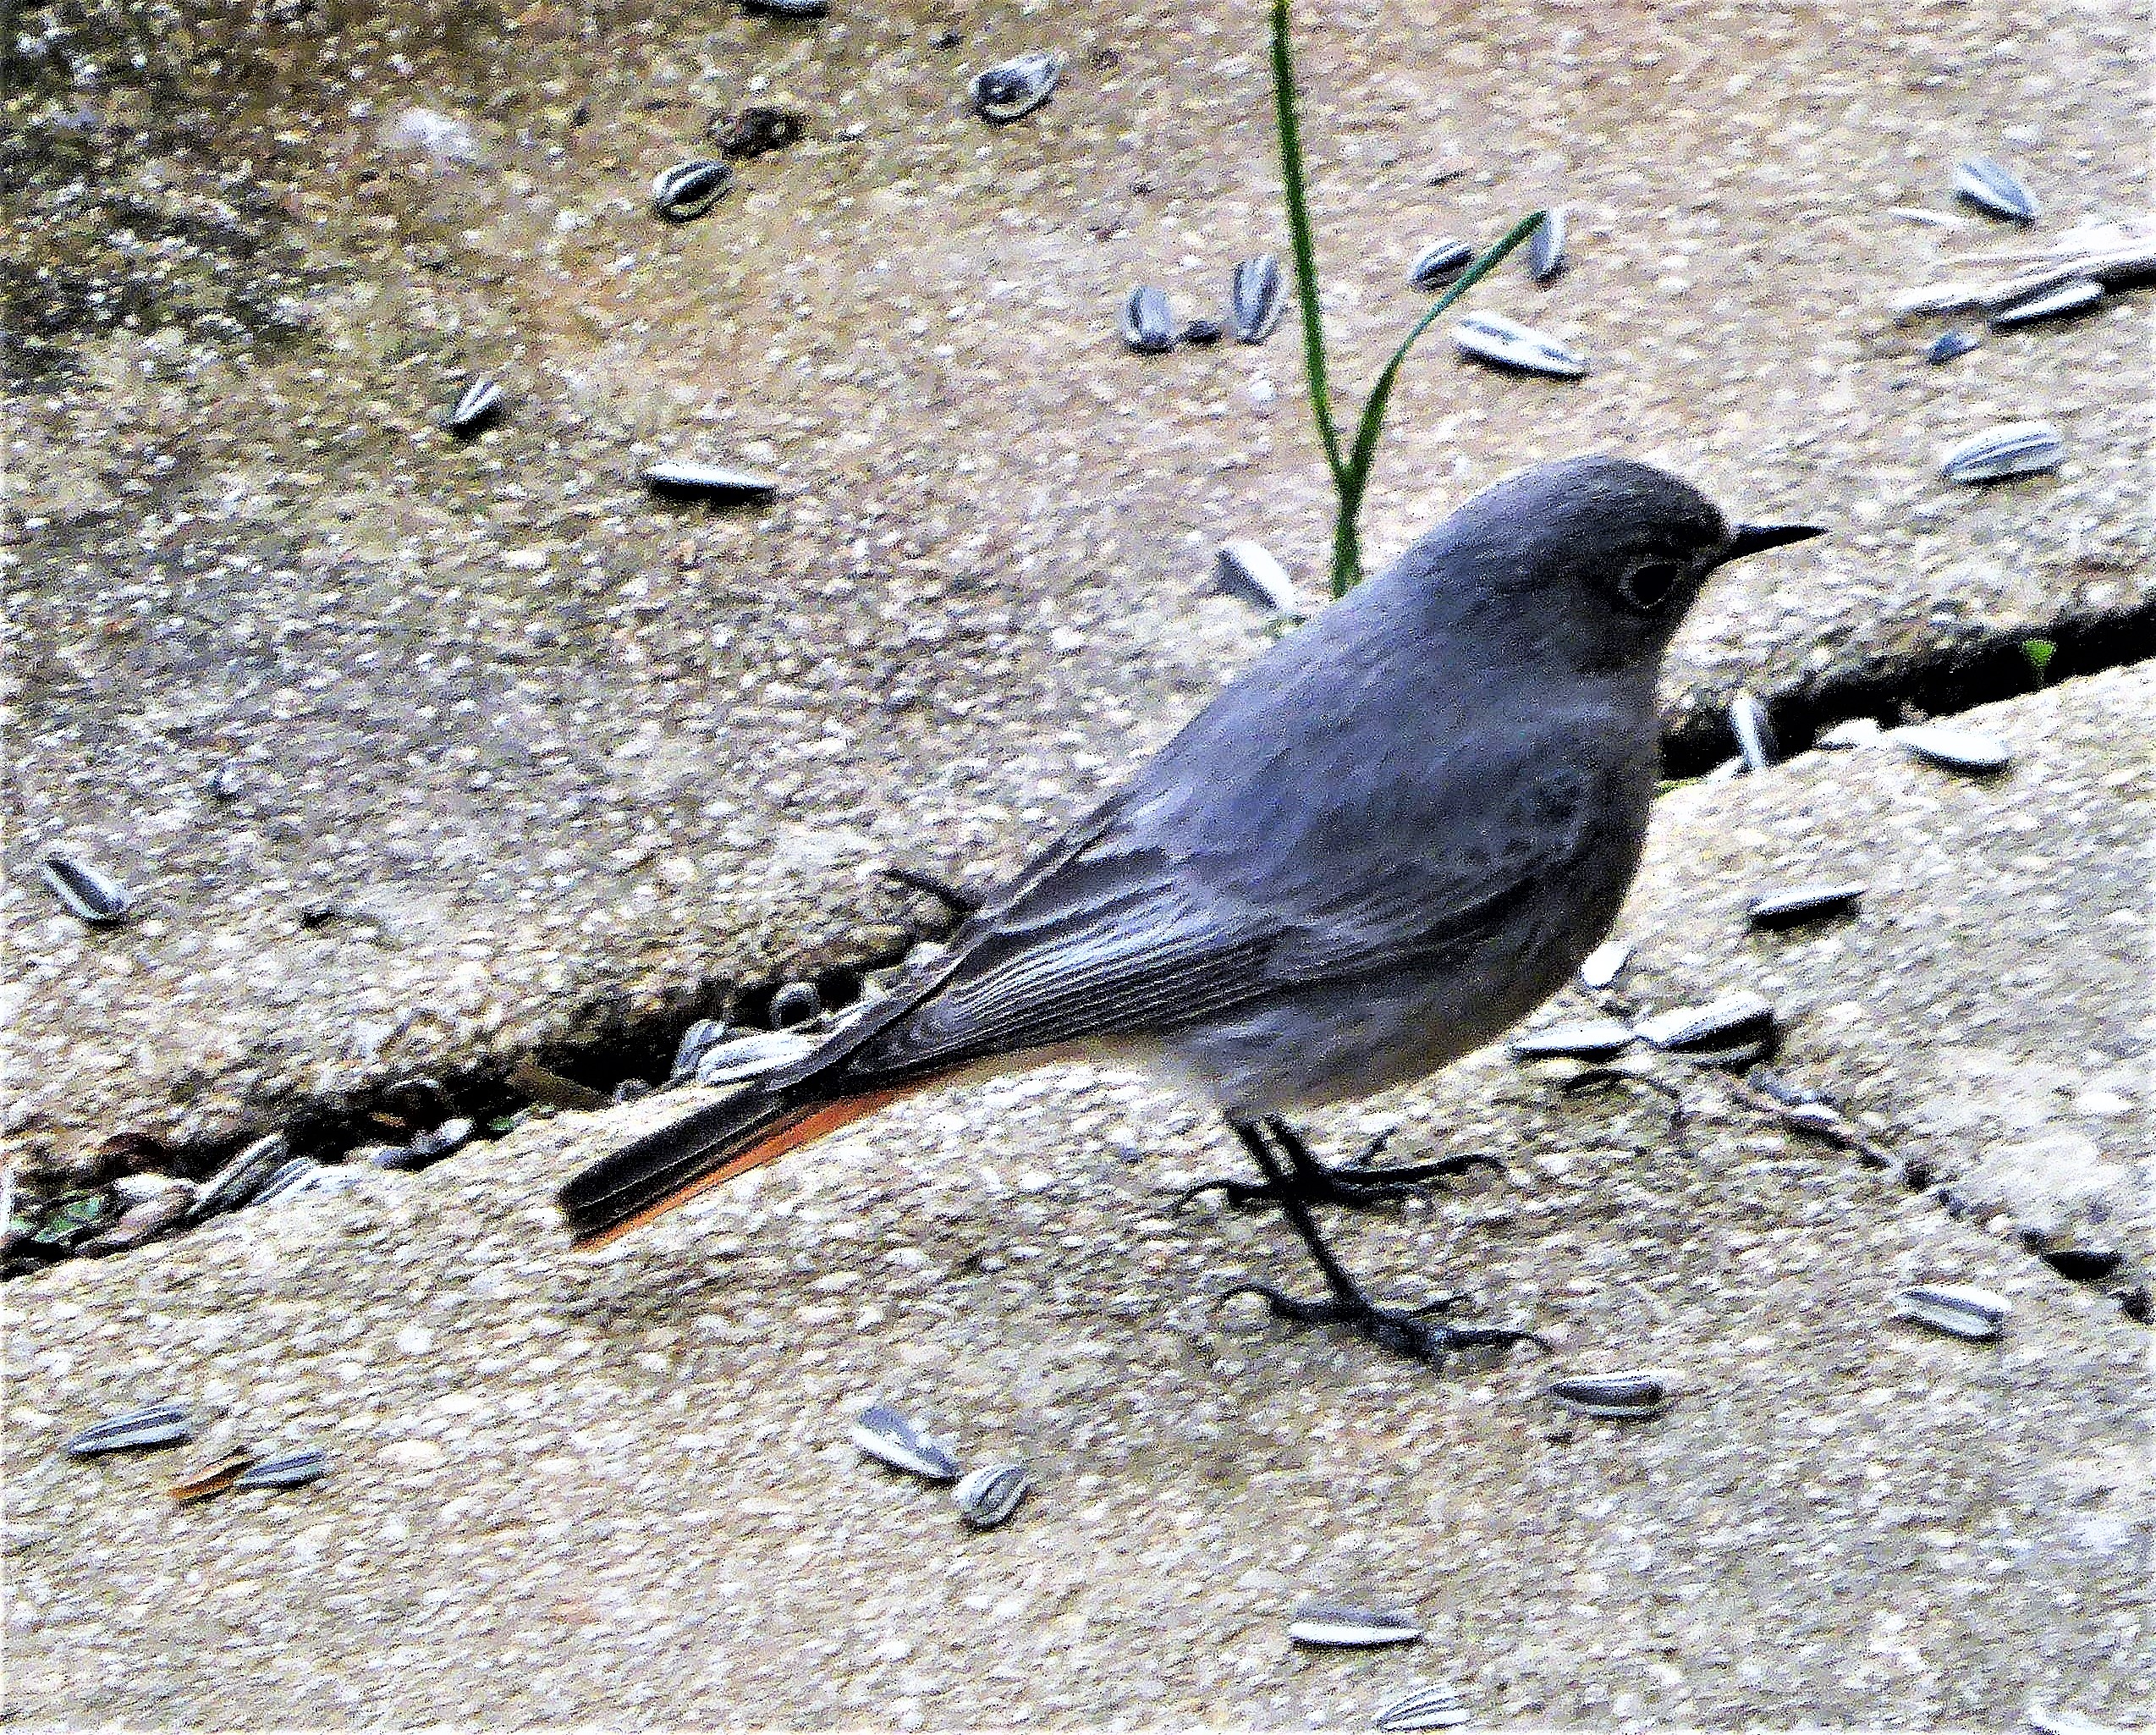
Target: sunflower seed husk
<point>242,1178</point>
<point>289,1179</point>
<point>1546,246</point>
<point>1734,1019</point>
<point>887,1436</point>
<point>214,1477</point>
<point>1421,1708</point>
<point>89,895</point>
<point>757,131</point>
<point>1993,189</point>
<point>1803,903</point>
<point>542,1084</point>
<point>1627,1397</point>
<point>1014,89</point>
<point>1936,299</point>
<point>431,1146</point>
<point>1959,1309</point>
<point>1255,302</point>
<point>1203,332</point>
<point>1243,570</point>
<point>1148,326</point>
<point>1505,343</point>
<point>142,1222</point>
<point>476,407</point>
<point>688,190</point>
<point>1949,344</point>
<point>2012,449</point>
<point>1439,264</point>
<point>796,1003</point>
<point>159,1424</point>
<point>1603,964</point>
<point>698,1040</point>
<point>752,1056</point>
<point>287,1469</point>
<point>2075,295</point>
<point>788,8</point>
<point>1957,749</point>
<point>1585,1039</point>
<point>1343,1626</point>
<point>990,1495</point>
<point>719,482</point>
<point>1755,734</point>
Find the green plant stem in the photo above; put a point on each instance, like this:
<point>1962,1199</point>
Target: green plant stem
<point>1306,251</point>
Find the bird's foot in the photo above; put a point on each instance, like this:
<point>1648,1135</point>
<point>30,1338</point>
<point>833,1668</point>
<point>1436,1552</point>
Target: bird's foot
<point>1355,1184</point>
<point>1406,1331</point>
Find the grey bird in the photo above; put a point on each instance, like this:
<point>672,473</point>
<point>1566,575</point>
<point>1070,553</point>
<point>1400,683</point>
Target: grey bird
<point>1398,832</point>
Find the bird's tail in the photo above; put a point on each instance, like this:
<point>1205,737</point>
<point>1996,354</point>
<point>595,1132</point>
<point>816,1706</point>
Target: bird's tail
<point>645,1179</point>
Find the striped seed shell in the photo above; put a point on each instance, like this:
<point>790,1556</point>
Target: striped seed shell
<point>2011,448</point>
<point>712,481</point>
<point>89,895</point>
<point>214,1477</point>
<point>1014,89</point>
<point>1628,1398</point>
<point>242,1178</point>
<point>2077,294</point>
<point>688,190</point>
<point>1959,1309</point>
<point>1245,571</point>
<point>1421,1708</point>
<point>1583,1039</point>
<point>1993,189</point>
<point>1804,903</point>
<point>287,1469</point>
<point>1148,326</point>
<point>1755,734</point>
<point>158,1424</point>
<point>1735,1018</point>
<point>1505,343</point>
<point>1255,300</point>
<point>1439,263</point>
<point>476,406</point>
<point>887,1436</point>
<point>1344,1626</point>
<point>1957,749</point>
<point>1603,964</point>
<point>698,1040</point>
<point>987,1496</point>
<point>1546,246</point>
<point>289,1178</point>
<point>1950,345</point>
<point>752,1056</point>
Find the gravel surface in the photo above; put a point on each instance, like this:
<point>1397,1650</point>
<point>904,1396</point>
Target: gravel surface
<point>512,754</point>
<point>621,1490</point>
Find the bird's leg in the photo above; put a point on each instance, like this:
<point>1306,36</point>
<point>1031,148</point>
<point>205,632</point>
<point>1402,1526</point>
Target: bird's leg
<point>1353,1183</point>
<point>1404,1330</point>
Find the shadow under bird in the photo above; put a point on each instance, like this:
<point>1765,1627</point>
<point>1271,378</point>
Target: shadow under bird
<point>1398,833</point>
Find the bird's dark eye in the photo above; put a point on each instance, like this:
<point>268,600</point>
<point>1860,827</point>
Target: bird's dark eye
<point>1647,585</point>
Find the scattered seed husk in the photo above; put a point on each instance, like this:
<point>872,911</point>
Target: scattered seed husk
<point>1804,903</point>
<point>1148,326</point>
<point>1624,1398</point>
<point>757,131</point>
<point>2083,1264</point>
<point>214,1477</point>
<point>1956,749</point>
<point>1245,571</point>
<point>1344,1626</point>
<point>887,1436</point>
<point>1849,732</point>
<point>1505,343</point>
<point>142,1222</point>
<point>987,1496</point>
<point>2076,295</point>
<point>543,1085</point>
<point>2012,449</point>
<point>287,1469</point>
<point>158,1424</point>
<point>1583,1039</point>
<point>1546,246</point>
<point>1993,189</point>
<point>1203,332</point>
<point>242,1178</point>
<point>289,1178</point>
<point>1959,1309</point>
<point>1421,1708</point>
<point>1734,1019</point>
<point>688,190</point>
<point>1014,89</point>
<point>1602,966</point>
<point>1439,264</point>
<point>712,481</point>
<point>1950,345</point>
<point>88,895</point>
<point>479,403</point>
<point>1933,299</point>
<point>433,1145</point>
<point>752,1056</point>
<point>1754,732</point>
<point>697,1041</point>
<point>1255,300</point>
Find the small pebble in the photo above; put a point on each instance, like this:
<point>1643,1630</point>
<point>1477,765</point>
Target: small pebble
<point>1950,345</point>
<point>1956,749</point>
<point>1602,966</point>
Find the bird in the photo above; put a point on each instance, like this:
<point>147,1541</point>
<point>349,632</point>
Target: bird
<point>1399,831</point>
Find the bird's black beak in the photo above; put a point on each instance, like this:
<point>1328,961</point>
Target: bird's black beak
<point>1753,539</point>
